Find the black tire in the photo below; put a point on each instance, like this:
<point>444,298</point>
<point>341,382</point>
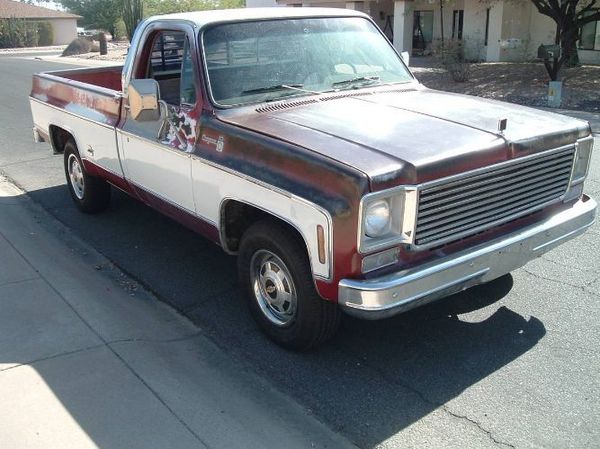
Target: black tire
<point>90,194</point>
<point>268,244</point>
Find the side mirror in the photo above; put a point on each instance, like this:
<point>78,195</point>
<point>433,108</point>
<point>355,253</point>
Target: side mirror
<point>144,103</point>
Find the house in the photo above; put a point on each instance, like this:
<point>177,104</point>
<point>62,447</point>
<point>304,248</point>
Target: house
<point>63,24</point>
<point>492,30</point>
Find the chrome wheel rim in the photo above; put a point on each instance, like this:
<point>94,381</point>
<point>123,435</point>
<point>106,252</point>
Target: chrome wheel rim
<point>76,176</point>
<point>274,288</point>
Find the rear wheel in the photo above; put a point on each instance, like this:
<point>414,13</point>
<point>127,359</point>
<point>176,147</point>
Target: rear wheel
<point>90,194</point>
<point>275,275</point>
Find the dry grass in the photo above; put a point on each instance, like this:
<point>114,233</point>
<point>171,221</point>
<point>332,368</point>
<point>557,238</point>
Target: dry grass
<point>523,83</point>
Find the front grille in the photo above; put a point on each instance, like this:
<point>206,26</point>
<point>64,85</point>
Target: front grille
<point>461,207</point>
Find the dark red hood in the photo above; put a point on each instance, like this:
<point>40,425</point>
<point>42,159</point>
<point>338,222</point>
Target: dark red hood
<point>409,136</point>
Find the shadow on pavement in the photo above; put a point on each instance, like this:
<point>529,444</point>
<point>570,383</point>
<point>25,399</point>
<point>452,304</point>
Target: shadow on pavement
<point>373,380</point>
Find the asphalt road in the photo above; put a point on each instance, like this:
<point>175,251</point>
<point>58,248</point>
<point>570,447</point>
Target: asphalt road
<point>514,363</point>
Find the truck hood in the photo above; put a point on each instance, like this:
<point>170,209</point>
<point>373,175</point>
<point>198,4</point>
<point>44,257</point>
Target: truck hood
<point>409,135</point>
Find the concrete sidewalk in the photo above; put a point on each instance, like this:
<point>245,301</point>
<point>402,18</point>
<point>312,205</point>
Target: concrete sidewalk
<point>89,359</point>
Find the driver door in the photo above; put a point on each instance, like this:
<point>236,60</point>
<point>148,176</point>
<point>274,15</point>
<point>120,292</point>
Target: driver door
<point>156,154</point>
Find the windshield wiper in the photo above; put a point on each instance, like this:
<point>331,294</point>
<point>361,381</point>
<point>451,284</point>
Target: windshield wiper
<point>275,88</point>
<point>359,79</point>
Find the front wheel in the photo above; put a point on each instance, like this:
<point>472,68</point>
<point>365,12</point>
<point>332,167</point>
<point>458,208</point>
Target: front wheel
<point>275,275</point>
<point>90,194</point>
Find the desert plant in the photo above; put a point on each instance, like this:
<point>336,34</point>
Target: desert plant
<point>450,55</point>
<point>78,46</point>
<point>120,31</point>
<point>45,33</point>
<point>17,33</point>
<point>133,12</point>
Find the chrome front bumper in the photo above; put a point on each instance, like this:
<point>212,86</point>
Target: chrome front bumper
<point>398,292</point>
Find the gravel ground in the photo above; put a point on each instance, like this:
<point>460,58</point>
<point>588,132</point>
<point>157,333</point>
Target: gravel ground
<point>522,83</point>
<point>116,52</point>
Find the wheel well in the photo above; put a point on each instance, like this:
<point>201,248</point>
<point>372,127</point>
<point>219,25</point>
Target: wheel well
<point>58,138</point>
<point>237,217</point>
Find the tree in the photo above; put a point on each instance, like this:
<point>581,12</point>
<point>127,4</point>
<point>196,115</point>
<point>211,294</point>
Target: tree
<point>133,13</point>
<point>101,14</point>
<point>570,16</point>
<point>168,6</point>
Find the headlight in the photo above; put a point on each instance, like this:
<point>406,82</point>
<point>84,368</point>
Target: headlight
<point>377,219</point>
<point>387,219</point>
<point>583,154</point>
<point>582,159</point>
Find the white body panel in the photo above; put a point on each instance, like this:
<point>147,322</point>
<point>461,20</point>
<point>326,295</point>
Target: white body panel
<point>163,171</point>
<point>184,180</point>
<point>213,186</point>
<point>96,141</point>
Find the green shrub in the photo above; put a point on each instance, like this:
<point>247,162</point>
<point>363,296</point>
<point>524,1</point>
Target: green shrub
<point>120,31</point>
<point>77,47</point>
<point>16,33</point>
<point>45,33</point>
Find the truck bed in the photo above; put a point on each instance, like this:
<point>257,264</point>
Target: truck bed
<point>107,77</point>
<point>84,102</point>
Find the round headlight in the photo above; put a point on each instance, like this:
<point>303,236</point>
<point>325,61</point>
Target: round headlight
<point>377,219</point>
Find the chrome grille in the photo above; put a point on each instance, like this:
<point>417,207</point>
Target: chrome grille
<point>473,203</point>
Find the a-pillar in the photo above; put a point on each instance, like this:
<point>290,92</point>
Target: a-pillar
<point>403,25</point>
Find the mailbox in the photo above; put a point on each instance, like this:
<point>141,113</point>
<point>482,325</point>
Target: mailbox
<point>549,51</point>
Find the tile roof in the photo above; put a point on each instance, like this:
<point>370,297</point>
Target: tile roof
<point>10,8</point>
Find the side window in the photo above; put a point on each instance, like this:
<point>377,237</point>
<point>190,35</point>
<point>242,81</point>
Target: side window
<point>188,86</point>
<point>171,66</point>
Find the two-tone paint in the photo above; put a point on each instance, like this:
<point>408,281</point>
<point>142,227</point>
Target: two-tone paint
<point>306,161</point>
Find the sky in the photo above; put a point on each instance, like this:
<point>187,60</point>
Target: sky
<point>51,5</point>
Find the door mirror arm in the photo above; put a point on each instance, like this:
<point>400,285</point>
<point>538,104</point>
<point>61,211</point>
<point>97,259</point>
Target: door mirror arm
<point>164,116</point>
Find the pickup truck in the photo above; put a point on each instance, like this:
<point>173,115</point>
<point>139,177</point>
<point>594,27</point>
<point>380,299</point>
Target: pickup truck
<point>299,140</point>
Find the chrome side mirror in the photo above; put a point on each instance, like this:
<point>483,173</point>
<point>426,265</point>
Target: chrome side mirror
<point>144,103</point>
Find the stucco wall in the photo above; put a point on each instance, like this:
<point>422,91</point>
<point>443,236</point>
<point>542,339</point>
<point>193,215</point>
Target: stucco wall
<point>589,56</point>
<point>65,30</point>
<point>516,29</point>
<point>541,31</point>
<point>515,35</point>
<point>260,3</point>
<point>474,30</point>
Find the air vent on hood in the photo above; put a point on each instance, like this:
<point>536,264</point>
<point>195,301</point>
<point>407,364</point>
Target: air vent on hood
<point>284,105</point>
<point>278,106</point>
<point>345,94</point>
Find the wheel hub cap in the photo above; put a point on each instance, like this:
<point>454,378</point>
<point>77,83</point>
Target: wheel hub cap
<point>76,176</point>
<point>273,288</point>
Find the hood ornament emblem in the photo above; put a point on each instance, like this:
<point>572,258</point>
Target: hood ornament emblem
<point>502,125</point>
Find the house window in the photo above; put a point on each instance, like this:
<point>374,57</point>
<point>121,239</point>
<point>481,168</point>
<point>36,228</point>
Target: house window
<point>487,26</point>
<point>457,23</point>
<point>590,35</point>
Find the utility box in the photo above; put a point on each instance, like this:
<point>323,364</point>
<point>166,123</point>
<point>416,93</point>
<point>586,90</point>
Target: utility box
<point>554,94</point>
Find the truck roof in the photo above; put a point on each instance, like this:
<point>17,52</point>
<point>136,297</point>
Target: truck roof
<point>203,18</point>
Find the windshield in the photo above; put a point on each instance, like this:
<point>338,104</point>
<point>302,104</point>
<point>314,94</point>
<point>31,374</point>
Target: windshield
<point>251,62</point>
